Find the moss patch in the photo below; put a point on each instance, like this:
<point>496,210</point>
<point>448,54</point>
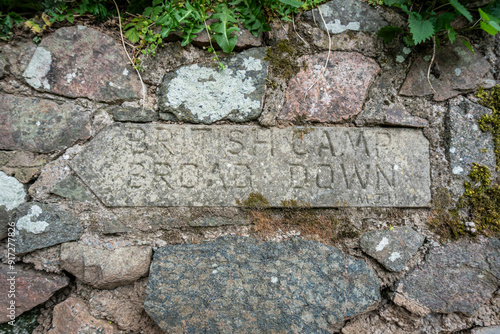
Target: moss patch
<point>283,59</point>
<point>491,123</point>
<point>254,200</point>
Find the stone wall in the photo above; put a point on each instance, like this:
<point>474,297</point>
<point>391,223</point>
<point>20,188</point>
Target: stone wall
<point>290,192</point>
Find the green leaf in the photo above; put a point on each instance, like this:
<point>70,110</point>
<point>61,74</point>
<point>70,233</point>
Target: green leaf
<point>494,25</point>
<point>452,34</point>
<point>293,3</point>
<point>488,28</point>
<point>420,29</point>
<point>443,21</point>
<point>461,9</point>
<point>396,3</point>
<point>493,8</point>
<point>467,44</point>
<point>227,42</point>
<point>157,2</point>
<point>132,35</point>
<point>389,33</point>
<point>484,16</point>
<point>223,29</point>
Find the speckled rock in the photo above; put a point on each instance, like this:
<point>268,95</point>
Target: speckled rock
<point>42,225</point>
<point>24,324</point>
<point>4,222</point>
<point>392,248</point>
<point>39,125</point>
<point>83,62</point>
<point>241,285</point>
<point>217,221</point>
<point>131,114</point>
<point>467,143</point>
<point>12,193</point>
<point>31,288</point>
<point>3,62</point>
<point>456,71</point>
<point>105,269</point>
<point>72,188</point>
<point>23,165</point>
<point>486,330</point>
<point>17,57</point>
<point>332,95</point>
<point>201,93</point>
<point>458,277</point>
<point>389,116</point>
<point>73,316</point>
<point>352,15</point>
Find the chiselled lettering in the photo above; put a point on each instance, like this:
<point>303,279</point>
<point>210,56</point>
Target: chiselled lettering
<point>298,176</point>
<point>353,175</point>
<point>324,178</point>
<point>326,146</point>
<point>236,139</point>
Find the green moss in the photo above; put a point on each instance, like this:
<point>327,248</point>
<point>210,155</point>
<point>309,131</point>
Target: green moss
<point>254,200</point>
<point>445,220</point>
<point>491,123</point>
<point>283,59</point>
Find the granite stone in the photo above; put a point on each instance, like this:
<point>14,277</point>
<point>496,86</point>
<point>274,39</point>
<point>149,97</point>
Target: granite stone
<point>200,93</point>
<point>83,62</point>
<point>179,165</point>
<point>131,114</point>
<point>241,285</point>
<point>42,225</point>
<point>334,94</point>
<point>458,277</point>
<point>38,125</point>
<point>72,188</point>
<point>392,248</point>
<point>389,116</point>
<point>354,15</point>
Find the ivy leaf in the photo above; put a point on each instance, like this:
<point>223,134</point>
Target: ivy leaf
<point>420,29</point>
<point>389,33</point>
<point>293,3</point>
<point>461,9</point>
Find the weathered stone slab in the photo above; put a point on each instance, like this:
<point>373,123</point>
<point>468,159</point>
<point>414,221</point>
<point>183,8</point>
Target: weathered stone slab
<point>42,225</point>
<point>178,165</point>
<point>392,248</point>
<point>131,114</point>
<point>457,71</point>
<point>83,62</point>
<point>352,15</point>
<point>334,94</point>
<point>39,125</point>
<point>32,288</point>
<point>200,93</point>
<point>458,277</point>
<point>241,285</point>
<point>72,188</point>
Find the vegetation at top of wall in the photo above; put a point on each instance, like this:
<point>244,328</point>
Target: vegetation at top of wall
<point>439,19</point>
<point>491,123</point>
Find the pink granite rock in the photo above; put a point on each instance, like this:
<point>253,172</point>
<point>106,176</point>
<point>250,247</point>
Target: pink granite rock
<point>332,95</point>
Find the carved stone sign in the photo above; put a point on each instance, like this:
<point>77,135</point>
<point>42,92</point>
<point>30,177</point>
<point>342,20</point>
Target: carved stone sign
<point>181,165</point>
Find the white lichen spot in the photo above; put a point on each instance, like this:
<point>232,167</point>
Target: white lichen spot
<point>81,27</point>
<point>453,150</point>
<point>214,272</point>
<point>70,76</point>
<point>29,222</point>
<point>457,170</point>
<point>406,50</point>
<point>475,127</point>
<point>458,71</point>
<point>274,279</point>
<point>211,95</point>
<point>384,242</point>
<point>428,58</point>
<point>38,123</point>
<point>394,256</point>
<point>111,84</point>
<point>39,66</point>
<point>125,72</point>
<point>400,59</point>
<point>12,192</point>
<point>396,167</point>
<point>337,27</point>
<point>252,64</point>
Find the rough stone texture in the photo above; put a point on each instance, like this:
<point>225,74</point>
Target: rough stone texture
<point>217,221</point>
<point>105,269</point>
<point>337,93</point>
<point>23,165</point>
<point>39,125</point>
<point>392,248</point>
<point>486,330</point>
<point>72,188</point>
<point>173,165</point>
<point>201,93</point>
<point>467,144</point>
<point>31,288</point>
<point>240,285</point>
<point>362,42</point>
<point>24,324</point>
<point>389,116</point>
<point>73,316</point>
<point>12,193</point>
<point>131,114</point>
<point>83,62</point>
<point>3,62</point>
<point>4,222</point>
<point>42,225</point>
<point>18,56</point>
<point>456,71</point>
<point>352,15</point>
<point>458,277</point>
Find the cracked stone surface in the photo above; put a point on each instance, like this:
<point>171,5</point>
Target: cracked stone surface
<point>339,93</point>
<point>32,288</point>
<point>42,225</point>
<point>39,125</point>
<point>83,62</point>
<point>456,71</point>
<point>392,248</point>
<point>458,277</point>
<point>241,285</point>
<point>201,93</point>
